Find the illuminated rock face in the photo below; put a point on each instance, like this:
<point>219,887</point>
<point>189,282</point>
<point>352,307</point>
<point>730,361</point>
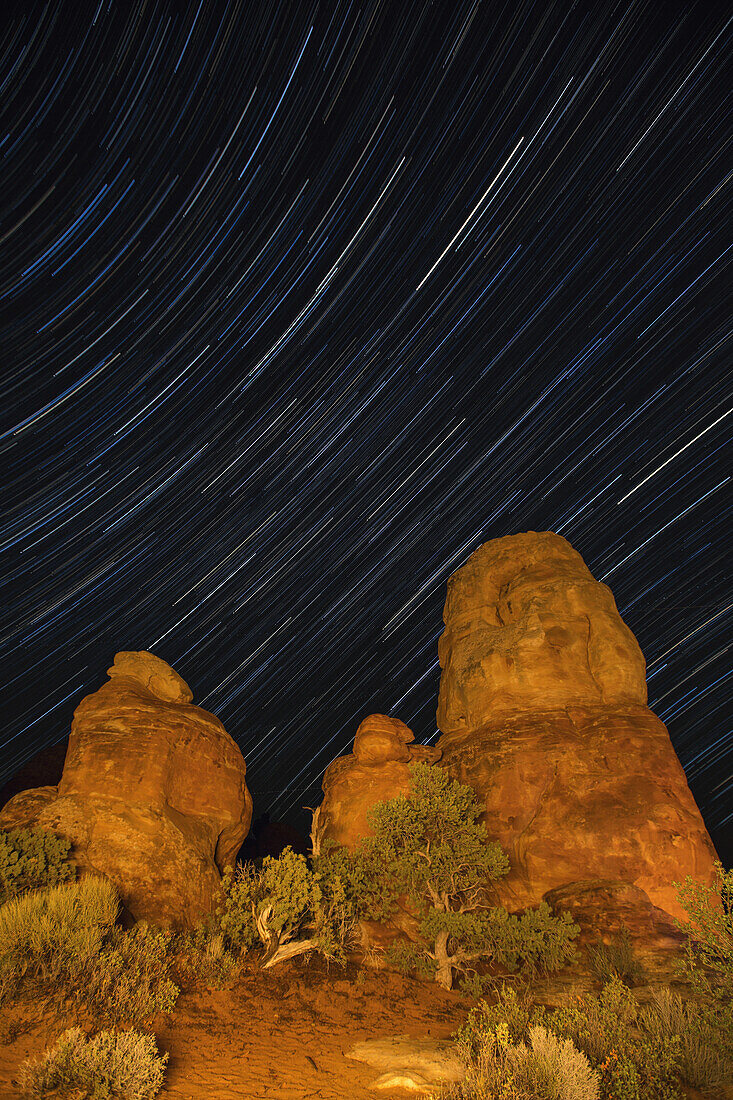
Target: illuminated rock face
<point>542,704</point>
<point>528,628</point>
<point>153,793</point>
<point>377,769</point>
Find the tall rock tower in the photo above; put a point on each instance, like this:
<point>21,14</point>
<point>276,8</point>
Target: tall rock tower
<point>543,712</point>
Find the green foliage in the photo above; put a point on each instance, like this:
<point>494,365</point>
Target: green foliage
<point>701,1038</point>
<point>513,1012</point>
<point>634,1061</point>
<point>429,844</point>
<point>289,907</point>
<point>542,1068</point>
<point>129,981</point>
<point>200,956</point>
<point>50,937</point>
<point>237,915</point>
<point>123,1064</point>
<point>708,964</point>
<point>474,985</point>
<point>535,942</point>
<point>31,859</point>
<point>638,1053</point>
<point>616,960</point>
<point>429,847</point>
<point>63,941</point>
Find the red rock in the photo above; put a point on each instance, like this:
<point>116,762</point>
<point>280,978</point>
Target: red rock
<point>153,793</point>
<point>377,769</point>
<point>542,706</point>
<point>614,907</point>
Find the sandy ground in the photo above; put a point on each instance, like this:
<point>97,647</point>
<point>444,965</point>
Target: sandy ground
<point>281,1034</point>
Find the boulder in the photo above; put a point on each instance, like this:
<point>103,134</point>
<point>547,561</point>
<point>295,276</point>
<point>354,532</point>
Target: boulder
<point>376,770</point>
<point>543,711</point>
<point>152,795</point>
<point>614,907</point>
<point>417,1065</point>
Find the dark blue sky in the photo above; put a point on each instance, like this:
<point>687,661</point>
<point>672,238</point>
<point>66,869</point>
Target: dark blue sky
<point>303,302</point>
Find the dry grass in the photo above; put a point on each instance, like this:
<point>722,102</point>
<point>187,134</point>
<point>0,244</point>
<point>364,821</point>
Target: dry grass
<point>49,936</point>
<point>701,1063</point>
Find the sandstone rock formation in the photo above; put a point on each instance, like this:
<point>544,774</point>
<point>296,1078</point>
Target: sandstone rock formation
<point>542,707</point>
<point>153,793</point>
<point>377,769</point>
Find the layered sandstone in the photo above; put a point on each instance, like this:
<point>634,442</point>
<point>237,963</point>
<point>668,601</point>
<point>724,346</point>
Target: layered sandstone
<point>543,710</point>
<point>153,793</point>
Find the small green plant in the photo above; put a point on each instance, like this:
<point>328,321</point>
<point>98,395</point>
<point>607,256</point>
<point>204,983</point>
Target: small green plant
<point>200,956</point>
<point>112,1064</point>
<point>31,859</point>
<point>429,847</point>
<point>512,1011</point>
<point>707,965</point>
<point>50,937</point>
<point>616,960</point>
<point>289,907</point>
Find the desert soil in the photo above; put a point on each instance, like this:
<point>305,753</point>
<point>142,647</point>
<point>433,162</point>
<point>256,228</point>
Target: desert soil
<point>283,1034</point>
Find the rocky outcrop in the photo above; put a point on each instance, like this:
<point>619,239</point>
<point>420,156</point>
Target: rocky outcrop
<point>527,629</point>
<point>543,711</point>
<point>153,793</point>
<point>376,770</point>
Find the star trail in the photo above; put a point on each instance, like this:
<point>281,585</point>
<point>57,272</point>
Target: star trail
<point>303,302</point>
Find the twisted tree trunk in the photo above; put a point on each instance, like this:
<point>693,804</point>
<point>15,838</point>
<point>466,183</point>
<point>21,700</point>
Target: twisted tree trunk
<point>444,961</point>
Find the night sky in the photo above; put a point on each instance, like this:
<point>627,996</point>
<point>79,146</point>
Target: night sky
<point>303,302</point>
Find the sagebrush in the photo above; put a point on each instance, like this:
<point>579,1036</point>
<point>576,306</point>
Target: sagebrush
<point>123,1064</point>
<point>544,1067</point>
<point>63,942</point>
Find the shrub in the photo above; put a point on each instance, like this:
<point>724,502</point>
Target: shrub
<point>63,941</point>
<point>129,981</point>
<point>702,1060</point>
<point>635,1063</point>
<point>512,1012</point>
<point>430,847</point>
<point>125,1064</point>
<point>200,955</point>
<point>289,907</point>
<point>544,1068</point>
<point>708,962</point>
<point>50,937</point>
<point>31,859</point>
<point>633,1057</point>
<point>616,960</point>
